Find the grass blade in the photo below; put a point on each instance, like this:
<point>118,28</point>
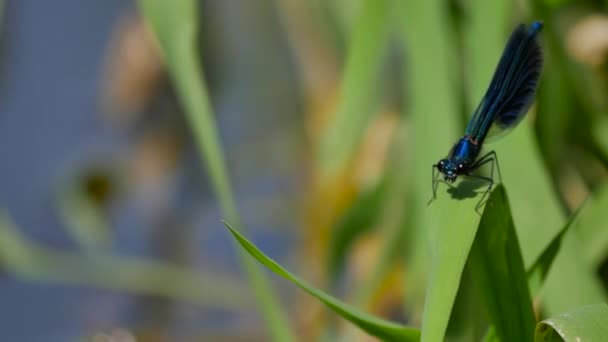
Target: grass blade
<point>583,229</point>
<point>451,240</point>
<point>591,227</point>
<point>175,24</point>
<point>537,273</point>
<point>588,323</point>
<point>375,326</point>
<point>358,92</point>
<point>571,274</point>
<point>431,130</point>
<point>499,273</point>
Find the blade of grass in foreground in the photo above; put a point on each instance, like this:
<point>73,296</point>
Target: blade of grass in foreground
<point>450,243</point>
<point>449,224</point>
<point>432,128</point>
<point>588,323</point>
<point>385,330</point>
<point>175,24</point>
<point>499,273</point>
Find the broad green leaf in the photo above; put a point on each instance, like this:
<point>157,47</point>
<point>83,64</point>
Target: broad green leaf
<point>374,326</point>
<point>573,272</point>
<point>468,320</point>
<point>538,224</point>
<point>586,324</point>
<point>571,281</point>
<point>450,242</point>
<point>591,227</point>
<point>556,103</point>
<point>358,95</point>
<point>430,130</point>
<point>537,273</point>
<point>175,24</point>
<point>499,273</point>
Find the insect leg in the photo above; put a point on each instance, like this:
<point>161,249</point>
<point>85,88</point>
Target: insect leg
<point>434,183</point>
<point>489,157</point>
<point>486,193</point>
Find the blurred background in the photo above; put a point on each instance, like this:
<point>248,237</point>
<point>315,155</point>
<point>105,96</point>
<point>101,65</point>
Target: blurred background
<point>110,227</point>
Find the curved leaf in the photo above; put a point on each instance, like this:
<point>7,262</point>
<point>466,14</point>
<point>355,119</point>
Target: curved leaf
<point>175,24</point>
<point>498,271</point>
<point>374,326</point>
<point>587,324</point>
<point>451,240</point>
<point>591,227</point>
<point>429,132</point>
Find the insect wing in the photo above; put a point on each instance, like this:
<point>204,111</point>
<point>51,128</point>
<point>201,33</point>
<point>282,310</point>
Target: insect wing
<point>513,86</point>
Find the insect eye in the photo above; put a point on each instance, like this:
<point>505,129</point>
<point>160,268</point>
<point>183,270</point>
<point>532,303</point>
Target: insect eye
<point>440,165</point>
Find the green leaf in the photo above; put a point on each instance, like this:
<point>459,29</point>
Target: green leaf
<point>572,281</point>
<point>451,240</point>
<point>175,24</point>
<point>499,273</point>
<point>586,324</point>
<point>537,273</point>
<point>374,326</point>
<point>586,215</point>
<point>591,227</point>
<point>583,246</point>
<point>428,134</point>
<point>359,85</point>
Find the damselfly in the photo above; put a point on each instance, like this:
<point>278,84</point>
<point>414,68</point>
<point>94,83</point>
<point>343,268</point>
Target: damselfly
<point>508,98</point>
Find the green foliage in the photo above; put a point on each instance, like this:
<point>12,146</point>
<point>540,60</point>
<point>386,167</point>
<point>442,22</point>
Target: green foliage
<point>587,323</point>
<point>359,85</point>
<point>467,269</point>
<point>380,328</point>
<point>497,246</point>
<point>176,25</point>
<point>499,273</point>
<point>432,127</point>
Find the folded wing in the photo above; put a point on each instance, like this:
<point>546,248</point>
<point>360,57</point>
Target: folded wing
<point>513,86</point>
